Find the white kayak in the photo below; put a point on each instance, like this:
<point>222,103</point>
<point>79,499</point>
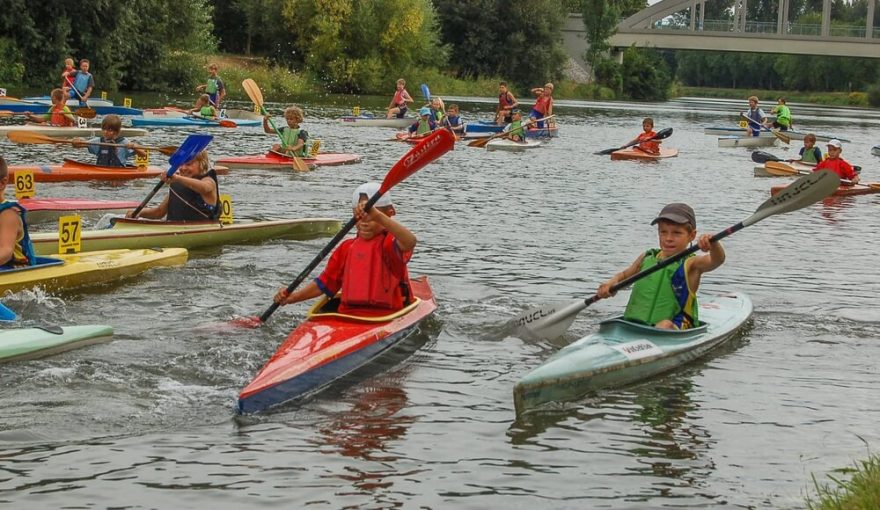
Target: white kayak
<point>746,141</point>
<point>761,170</point>
<point>623,352</point>
<point>31,343</point>
<point>368,121</point>
<point>875,150</point>
<point>794,135</point>
<point>503,144</point>
<point>69,132</point>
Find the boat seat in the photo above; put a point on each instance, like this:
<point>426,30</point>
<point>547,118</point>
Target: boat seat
<point>329,308</point>
<point>651,330</point>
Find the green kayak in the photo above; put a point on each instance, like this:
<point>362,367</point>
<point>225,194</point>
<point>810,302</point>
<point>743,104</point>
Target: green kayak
<point>623,352</point>
<point>31,343</point>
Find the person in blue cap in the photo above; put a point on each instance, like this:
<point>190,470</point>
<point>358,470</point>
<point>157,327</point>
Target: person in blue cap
<point>424,125</point>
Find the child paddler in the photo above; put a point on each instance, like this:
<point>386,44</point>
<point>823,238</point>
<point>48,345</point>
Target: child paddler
<point>294,139</point>
<point>756,117</point>
<point>783,115</point>
<point>515,130</point>
<point>424,125</point>
<point>111,126</point>
<point>809,153</point>
<point>369,271</point>
<point>668,298</point>
<point>213,86</point>
<point>645,139</point>
<point>81,80</point>
<point>506,103</point>
<point>58,115</point>
<point>837,164</point>
<point>399,102</point>
<point>15,243</point>
<point>204,108</point>
<point>452,121</point>
<point>543,103</point>
<point>193,194</point>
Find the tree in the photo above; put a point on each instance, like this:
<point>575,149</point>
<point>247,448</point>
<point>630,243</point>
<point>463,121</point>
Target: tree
<point>600,22</point>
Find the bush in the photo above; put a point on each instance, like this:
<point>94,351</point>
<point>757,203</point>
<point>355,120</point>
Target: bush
<point>608,74</point>
<point>646,75</point>
<point>857,99</point>
<point>11,66</point>
<point>873,94</point>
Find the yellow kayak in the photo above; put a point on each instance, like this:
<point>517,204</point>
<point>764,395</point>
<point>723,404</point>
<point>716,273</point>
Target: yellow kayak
<point>63,272</point>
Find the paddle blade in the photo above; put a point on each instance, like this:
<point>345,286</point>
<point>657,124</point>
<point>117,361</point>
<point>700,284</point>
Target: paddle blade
<point>6,113</point>
<point>168,150</point>
<point>779,168</point>
<point>605,152</point>
<point>227,123</point>
<point>663,134</point>
<point>299,165</point>
<point>807,190</point>
<point>86,113</point>
<point>31,138</point>
<point>763,157</point>
<point>252,322</point>
<point>6,314</point>
<point>253,91</point>
<point>782,137</point>
<point>432,147</point>
<point>479,142</point>
<point>189,149</point>
<point>426,92</point>
<point>546,322</point>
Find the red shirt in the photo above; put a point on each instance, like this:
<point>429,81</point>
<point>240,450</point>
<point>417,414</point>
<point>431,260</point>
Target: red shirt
<point>542,104</point>
<point>331,279</point>
<point>838,166</point>
<point>648,145</point>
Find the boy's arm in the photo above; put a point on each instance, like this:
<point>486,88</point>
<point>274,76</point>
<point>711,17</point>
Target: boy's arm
<point>604,290</point>
<point>10,224</point>
<point>406,240</point>
<point>309,291</point>
<point>710,262</point>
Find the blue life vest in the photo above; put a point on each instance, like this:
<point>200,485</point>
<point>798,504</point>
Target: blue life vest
<point>25,245</point>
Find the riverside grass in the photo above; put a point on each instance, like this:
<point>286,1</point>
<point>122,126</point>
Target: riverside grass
<point>860,492</point>
<point>768,97</point>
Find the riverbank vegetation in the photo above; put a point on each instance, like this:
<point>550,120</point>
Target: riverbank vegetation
<point>860,492</point>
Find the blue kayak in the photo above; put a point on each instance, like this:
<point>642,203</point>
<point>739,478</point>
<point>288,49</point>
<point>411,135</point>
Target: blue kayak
<point>483,128</point>
<point>39,106</point>
<point>191,122</point>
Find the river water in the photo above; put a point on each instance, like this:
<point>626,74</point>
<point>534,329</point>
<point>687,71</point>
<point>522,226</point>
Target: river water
<point>146,421</point>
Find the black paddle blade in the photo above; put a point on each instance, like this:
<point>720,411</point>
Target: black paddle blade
<point>605,152</point>
<point>663,134</point>
<point>763,157</point>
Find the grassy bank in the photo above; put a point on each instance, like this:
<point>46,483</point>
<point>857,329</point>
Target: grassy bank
<point>860,492</point>
<point>770,96</point>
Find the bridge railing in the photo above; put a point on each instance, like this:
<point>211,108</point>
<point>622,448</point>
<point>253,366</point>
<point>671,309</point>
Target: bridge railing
<point>760,27</point>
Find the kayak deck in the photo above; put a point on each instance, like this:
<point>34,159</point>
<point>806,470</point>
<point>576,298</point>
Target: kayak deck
<point>77,171</point>
<point>622,352</point>
<point>633,153</point>
<point>42,210</point>
<point>327,347</point>
<point>31,343</point>
<point>843,190</point>
<point>274,161</point>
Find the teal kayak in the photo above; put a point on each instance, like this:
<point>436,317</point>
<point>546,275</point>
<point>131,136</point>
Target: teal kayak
<point>31,343</point>
<point>623,352</point>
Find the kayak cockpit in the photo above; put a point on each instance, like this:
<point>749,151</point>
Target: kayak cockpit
<point>41,262</point>
<point>618,330</point>
<point>330,308</point>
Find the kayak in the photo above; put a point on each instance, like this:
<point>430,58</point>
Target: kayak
<point>189,122</point>
<point>794,135</point>
<point>640,155</point>
<point>370,121</point>
<point>328,346</point>
<point>503,144</point>
<point>42,210</point>
<point>274,161</point>
<point>77,171</point>
<point>844,190</point>
<point>69,132</point>
<point>71,103</point>
<point>761,170</point>
<point>141,234</point>
<point>482,128</point>
<point>31,343</point>
<point>63,272</point>
<point>746,141</point>
<point>623,352</point>
<point>412,140</point>
<point>875,150</point>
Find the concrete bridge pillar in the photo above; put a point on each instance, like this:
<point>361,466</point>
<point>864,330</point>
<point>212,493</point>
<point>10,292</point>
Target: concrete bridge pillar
<point>869,27</point>
<point>826,18</point>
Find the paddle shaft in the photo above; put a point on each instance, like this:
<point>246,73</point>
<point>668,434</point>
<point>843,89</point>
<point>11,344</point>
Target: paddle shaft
<point>143,204</point>
<point>321,255</point>
<point>661,135</point>
<point>483,141</point>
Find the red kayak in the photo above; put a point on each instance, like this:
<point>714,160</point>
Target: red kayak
<point>274,161</point>
<point>77,171</point>
<point>40,210</point>
<point>844,190</point>
<point>633,153</point>
<point>328,346</point>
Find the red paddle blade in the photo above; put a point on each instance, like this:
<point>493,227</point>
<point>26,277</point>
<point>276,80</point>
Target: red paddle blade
<point>228,123</point>
<point>252,322</point>
<point>432,147</point>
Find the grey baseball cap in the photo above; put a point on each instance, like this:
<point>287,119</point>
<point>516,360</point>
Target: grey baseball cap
<point>677,213</point>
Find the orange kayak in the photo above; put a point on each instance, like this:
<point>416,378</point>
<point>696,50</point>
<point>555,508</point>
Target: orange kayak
<point>843,190</point>
<point>640,155</point>
<point>72,170</point>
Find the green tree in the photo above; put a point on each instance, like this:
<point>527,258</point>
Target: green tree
<point>600,22</point>
<point>645,75</point>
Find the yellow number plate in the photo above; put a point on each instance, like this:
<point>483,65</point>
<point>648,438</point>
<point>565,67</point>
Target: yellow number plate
<point>356,111</point>
<point>24,184</point>
<point>142,161</point>
<point>226,209</point>
<point>104,95</point>
<point>126,102</point>
<point>69,234</point>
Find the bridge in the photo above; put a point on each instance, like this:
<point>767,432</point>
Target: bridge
<point>681,25</point>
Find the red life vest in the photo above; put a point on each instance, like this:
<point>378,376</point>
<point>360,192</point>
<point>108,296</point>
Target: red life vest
<point>368,280</point>
<point>542,104</point>
<point>504,100</point>
<point>652,146</point>
<point>398,98</point>
<point>58,117</point>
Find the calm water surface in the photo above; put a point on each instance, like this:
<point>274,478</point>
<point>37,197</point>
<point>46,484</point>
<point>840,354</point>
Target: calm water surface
<point>146,421</point>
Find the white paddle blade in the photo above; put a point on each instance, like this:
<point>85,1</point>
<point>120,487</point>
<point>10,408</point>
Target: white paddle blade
<point>547,322</point>
<point>807,190</point>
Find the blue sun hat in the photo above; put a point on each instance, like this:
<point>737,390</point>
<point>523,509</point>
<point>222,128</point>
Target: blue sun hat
<point>424,111</point>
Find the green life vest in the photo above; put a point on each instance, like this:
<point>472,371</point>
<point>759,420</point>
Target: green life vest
<point>212,86</point>
<point>206,111</point>
<point>783,115</point>
<point>424,127</point>
<point>289,137</point>
<point>516,129</point>
<point>653,297</point>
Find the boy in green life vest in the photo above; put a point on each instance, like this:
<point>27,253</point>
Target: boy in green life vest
<point>294,140</point>
<point>214,87</point>
<point>515,130</point>
<point>783,115</point>
<point>667,299</point>
<point>203,108</point>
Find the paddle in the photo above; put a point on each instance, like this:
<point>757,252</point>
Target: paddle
<point>6,314</point>
<point>763,157</point>
<point>287,156</point>
<point>777,133</point>
<point>87,112</point>
<point>778,168</point>
<point>189,149</point>
<point>426,92</point>
<point>220,122</point>
<point>253,92</point>
<point>550,321</point>
<point>481,142</point>
<point>429,149</point>
<point>662,134</point>
<point>31,137</point>
<point>7,113</point>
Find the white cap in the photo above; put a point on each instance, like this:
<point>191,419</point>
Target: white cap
<point>369,189</point>
<point>835,143</point>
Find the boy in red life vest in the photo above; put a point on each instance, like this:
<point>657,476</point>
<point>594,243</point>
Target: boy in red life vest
<point>644,140</point>
<point>667,299</point>
<point>543,104</point>
<point>370,270</point>
<point>837,164</point>
<point>58,115</point>
<point>400,102</point>
<point>506,104</point>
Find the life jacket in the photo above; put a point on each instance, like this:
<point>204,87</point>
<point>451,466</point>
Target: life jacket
<point>81,82</point>
<point>423,126</point>
<point>783,115</point>
<point>663,295</point>
<point>206,111</point>
<point>813,155</point>
<point>452,122</point>
<point>516,129</point>
<point>436,116</point>
<point>756,115</point>
<point>652,146</point>
<point>212,86</point>
<point>398,98</point>
<point>109,156</point>
<point>289,137</point>
<point>542,104</point>
<point>368,280</point>
<point>58,116</point>
<point>843,169</point>
<point>23,251</point>
<point>185,204</point>
<point>504,100</point>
